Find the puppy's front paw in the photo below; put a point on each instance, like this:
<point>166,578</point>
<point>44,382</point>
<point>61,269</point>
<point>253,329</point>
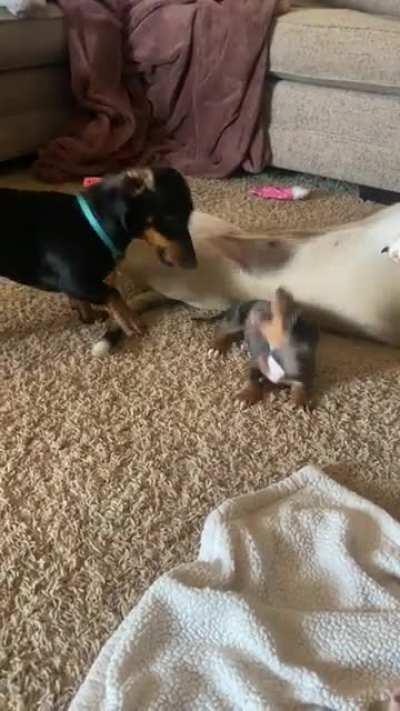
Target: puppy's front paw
<point>301,397</point>
<point>219,348</point>
<point>393,251</point>
<point>214,353</point>
<point>306,406</point>
<point>249,396</point>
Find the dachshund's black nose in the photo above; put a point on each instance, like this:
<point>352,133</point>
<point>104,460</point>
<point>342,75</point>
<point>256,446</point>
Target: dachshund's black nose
<point>385,249</point>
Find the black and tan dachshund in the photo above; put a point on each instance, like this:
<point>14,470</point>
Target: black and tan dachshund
<point>70,244</point>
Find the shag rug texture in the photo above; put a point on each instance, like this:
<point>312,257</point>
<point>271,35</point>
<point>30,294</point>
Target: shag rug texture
<point>109,467</point>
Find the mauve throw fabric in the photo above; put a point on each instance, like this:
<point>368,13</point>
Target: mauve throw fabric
<point>173,81</point>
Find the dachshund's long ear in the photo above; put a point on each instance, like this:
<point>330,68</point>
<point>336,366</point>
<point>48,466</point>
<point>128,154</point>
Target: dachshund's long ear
<point>137,181</point>
<point>284,308</point>
<point>282,303</point>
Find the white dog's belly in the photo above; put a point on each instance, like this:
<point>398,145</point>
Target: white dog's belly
<point>345,281</point>
<point>341,276</point>
<point>362,297</point>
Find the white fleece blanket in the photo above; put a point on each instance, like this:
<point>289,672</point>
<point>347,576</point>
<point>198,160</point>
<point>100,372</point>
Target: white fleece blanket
<point>293,603</point>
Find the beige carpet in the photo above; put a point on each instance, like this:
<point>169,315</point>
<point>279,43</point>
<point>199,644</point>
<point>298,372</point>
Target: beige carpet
<point>108,468</point>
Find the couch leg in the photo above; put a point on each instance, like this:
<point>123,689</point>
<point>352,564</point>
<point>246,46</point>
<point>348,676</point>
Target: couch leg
<point>385,197</point>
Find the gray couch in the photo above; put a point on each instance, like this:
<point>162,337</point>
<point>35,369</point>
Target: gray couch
<point>335,107</point>
<point>333,94</point>
<point>35,98</point>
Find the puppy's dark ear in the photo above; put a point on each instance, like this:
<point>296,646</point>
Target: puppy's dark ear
<point>284,307</point>
<point>137,181</point>
<point>282,302</point>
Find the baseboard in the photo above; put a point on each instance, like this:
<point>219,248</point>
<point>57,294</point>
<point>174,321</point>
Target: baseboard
<point>385,197</point>
<point>19,163</point>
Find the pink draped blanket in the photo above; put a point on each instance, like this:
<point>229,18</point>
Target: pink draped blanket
<point>179,82</point>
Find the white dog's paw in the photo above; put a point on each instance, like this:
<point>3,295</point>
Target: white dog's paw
<point>393,251</point>
<point>214,354</point>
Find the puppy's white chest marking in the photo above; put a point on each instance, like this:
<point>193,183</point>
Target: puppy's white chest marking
<point>275,372</point>
<point>271,370</point>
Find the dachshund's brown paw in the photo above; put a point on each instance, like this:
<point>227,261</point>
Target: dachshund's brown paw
<point>124,316</point>
<point>85,311</point>
<point>135,327</point>
<point>249,396</point>
<point>86,318</point>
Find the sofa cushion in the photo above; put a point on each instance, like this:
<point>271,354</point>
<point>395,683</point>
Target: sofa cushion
<point>24,133</point>
<point>378,7</point>
<point>32,42</point>
<point>337,133</point>
<point>35,88</point>
<point>35,105</point>
<point>339,47</point>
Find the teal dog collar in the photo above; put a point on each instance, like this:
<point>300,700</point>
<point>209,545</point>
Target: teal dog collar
<point>96,226</point>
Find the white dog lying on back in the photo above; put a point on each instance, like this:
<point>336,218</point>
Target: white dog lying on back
<point>338,275</point>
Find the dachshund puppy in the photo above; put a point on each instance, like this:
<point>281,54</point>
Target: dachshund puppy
<point>281,345</point>
<point>71,244</point>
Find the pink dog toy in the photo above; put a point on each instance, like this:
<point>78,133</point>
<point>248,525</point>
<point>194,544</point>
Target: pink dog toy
<point>87,182</point>
<point>274,192</point>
